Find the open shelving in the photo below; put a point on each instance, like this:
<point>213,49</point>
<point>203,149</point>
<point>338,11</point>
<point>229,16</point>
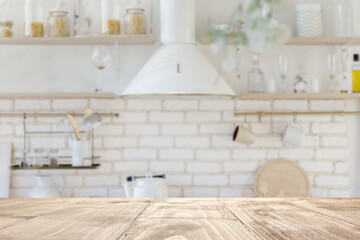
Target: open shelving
<point>294,96</point>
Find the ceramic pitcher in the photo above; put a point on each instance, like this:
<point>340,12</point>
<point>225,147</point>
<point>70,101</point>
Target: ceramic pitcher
<point>45,188</point>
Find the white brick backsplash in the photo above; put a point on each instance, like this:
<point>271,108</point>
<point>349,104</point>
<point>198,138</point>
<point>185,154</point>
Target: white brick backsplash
<point>242,180</point>
<point>217,105</point>
<point>167,167</point>
<point>232,167</point>
<point>143,105</point>
<point>317,167</point>
<point>332,181</point>
<point>139,154</point>
<point>212,180</point>
<point>120,142</point>
<point>334,141</point>
<point>297,154</point>
<point>47,143</point>
<point>332,154</point>
<point>229,116</point>
<point>112,105</point>
<point>216,155</point>
<point>203,167</point>
<point>110,130</point>
<point>176,154</point>
<point>290,105</point>
<point>117,193</point>
<point>192,142</point>
<point>34,105</point>
<point>286,119</point>
<point>260,128</point>
<point>179,129</point>
<point>272,154</point>
<point>328,128</point>
<point>167,117</point>
<point>271,141</point>
<point>90,192</point>
<point>142,129</point>
<point>95,181</point>
<point>254,106</point>
<point>19,130</point>
<point>23,181</point>
<point>339,194</point>
<point>249,154</point>
<point>156,142</point>
<point>310,141</point>
<point>224,141</point>
<point>200,192</point>
<point>319,193</point>
<point>313,118</point>
<point>217,128</point>
<point>179,180</point>
<point>109,155</point>
<point>131,117</point>
<point>73,181</point>
<point>342,168</point>
<point>174,192</point>
<point>131,167</point>
<point>6,105</point>
<point>69,104</point>
<point>203,117</point>
<point>231,192</point>
<point>175,105</point>
<point>333,105</point>
<point>6,129</point>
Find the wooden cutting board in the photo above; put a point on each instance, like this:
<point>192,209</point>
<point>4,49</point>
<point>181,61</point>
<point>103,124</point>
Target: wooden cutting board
<point>282,178</point>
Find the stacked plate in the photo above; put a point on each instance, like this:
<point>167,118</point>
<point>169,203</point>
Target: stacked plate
<point>309,20</point>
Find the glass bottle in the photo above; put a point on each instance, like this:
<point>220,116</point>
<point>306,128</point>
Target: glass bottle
<point>34,23</point>
<point>82,21</point>
<point>256,81</point>
<point>356,74</point>
<point>110,17</point>
<point>58,24</point>
<point>135,20</point>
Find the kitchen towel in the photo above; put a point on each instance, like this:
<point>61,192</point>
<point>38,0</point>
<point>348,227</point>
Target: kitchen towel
<point>5,159</point>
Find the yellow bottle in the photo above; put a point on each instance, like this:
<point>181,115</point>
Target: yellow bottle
<point>356,74</point>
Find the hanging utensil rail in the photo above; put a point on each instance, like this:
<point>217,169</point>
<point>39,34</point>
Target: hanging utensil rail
<point>264,114</point>
<point>54,114</point>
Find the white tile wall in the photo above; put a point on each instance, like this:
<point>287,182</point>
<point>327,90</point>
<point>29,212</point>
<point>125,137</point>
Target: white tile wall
<point>190,141</point>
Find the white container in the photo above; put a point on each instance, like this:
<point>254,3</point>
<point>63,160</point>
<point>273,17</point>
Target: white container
<point>292,135</point>
<point>271,86</point>
<point>315,86</point>
<point>309,20</point>
<point>45,188</point>
<point>80,151</point>
<point>148,187</point>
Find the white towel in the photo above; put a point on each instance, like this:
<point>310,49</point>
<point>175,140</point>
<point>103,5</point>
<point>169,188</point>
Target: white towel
<point>5,159</point>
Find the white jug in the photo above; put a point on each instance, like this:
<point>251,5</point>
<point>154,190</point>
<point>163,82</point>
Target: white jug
<point>146,187</point>
<point>45,188</point>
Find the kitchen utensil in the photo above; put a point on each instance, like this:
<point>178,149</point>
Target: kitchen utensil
<point>93,121</point>
<point>292,135</point>
<point>281,178</point>
<point>243,135</point>
<point>87,113</point>
<point>283,70</point>
<point>46,188</point>
<point>74,126</point>
<point>300,85</point>
<point>148,187</point>
<point>100,57</point>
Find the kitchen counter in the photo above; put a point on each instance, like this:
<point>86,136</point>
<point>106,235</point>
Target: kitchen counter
<point>180,219</point>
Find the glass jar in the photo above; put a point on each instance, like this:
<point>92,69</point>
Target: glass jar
<point>135,21</point>
<point>110,17</point>
<point>34,23</point>
<point>256,81</point>
<point>6,28</point>
<point>58,24</point>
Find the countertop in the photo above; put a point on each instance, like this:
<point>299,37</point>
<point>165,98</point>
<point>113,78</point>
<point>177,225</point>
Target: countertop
<point>180,219</point>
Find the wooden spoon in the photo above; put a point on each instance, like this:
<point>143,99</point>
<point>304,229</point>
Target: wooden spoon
<point>74,126</point>
<point>87,113</point>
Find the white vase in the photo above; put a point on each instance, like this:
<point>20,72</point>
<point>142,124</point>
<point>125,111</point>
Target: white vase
<point>45,188</point>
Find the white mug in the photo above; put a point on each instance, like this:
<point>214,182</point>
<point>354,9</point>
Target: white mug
<point>243,135</point>
<point>292,135</point>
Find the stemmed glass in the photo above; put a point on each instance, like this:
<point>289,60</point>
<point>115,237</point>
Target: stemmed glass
<point>100,57</point>
<point>332,71</point>
<point>283,70</point>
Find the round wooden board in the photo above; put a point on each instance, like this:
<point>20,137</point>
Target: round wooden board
<point>282,178</point>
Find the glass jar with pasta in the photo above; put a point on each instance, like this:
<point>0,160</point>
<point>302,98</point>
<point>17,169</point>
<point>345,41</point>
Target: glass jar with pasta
<point>34,23</point>
<point>58,24</point>
<point>135,21</point>
<point>6,28</point>
<point>110,17</point>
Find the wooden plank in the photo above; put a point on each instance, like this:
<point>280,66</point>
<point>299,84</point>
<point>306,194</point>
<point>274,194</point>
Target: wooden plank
<point>281,219</point>
<point>301,96</point>
<point>45,95</point>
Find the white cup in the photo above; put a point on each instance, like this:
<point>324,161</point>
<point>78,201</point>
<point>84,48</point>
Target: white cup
<point>271,86</point>
<point>78,153</point>
<point>292,135</point>
<point>243,135</point>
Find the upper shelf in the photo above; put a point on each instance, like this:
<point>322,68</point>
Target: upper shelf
<point>293,96</point>
<point>103,40</point>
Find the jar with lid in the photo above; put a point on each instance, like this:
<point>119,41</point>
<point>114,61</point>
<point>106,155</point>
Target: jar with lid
<point>6,28</point>
<point>135,19</point>
<point>110,17</point>
<point>58,24</point>
<point>34,23</point>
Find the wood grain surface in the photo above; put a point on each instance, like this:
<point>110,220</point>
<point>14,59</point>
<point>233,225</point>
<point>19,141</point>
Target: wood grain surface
<point>180,219</point>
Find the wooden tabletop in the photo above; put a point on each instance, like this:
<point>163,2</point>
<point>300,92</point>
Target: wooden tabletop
<point>180,219</point>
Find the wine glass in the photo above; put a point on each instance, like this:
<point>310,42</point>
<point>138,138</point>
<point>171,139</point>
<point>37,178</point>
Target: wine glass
<point>100,57</point>
<point>332,70</point>
<point>283,70</point>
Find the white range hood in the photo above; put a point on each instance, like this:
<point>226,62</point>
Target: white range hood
<point>178,68</point>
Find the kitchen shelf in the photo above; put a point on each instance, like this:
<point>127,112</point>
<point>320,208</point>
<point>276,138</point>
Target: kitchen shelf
<point>102,95</point>
<point>103,40</point>
<point>293,96</point>
<point>18,167</point>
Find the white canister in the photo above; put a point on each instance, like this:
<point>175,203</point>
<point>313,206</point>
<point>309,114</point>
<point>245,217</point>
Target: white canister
<point>271,86</point>
<point>80,150</point>
<point>315,86</point>
<point>292,135</point>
